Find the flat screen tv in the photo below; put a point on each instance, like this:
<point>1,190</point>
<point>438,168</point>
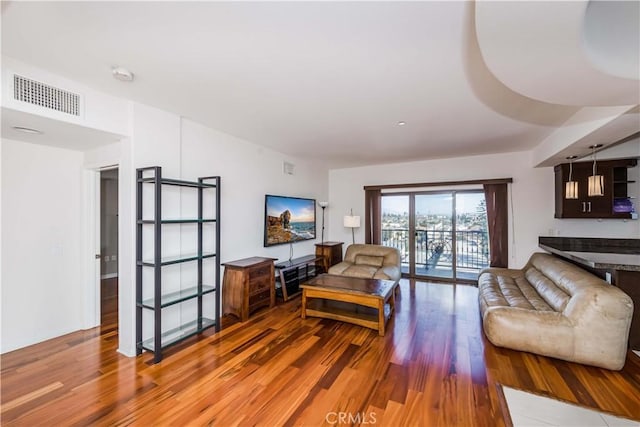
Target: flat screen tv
<point>288,219</point>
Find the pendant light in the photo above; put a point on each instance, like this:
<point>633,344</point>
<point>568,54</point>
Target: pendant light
<point>571,187</point>
<point>596,182</point>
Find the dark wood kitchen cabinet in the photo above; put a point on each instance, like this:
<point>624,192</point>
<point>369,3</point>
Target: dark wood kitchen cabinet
<point>616,186</point>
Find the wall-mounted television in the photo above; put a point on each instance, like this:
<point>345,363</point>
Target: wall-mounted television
<point>288,219</point>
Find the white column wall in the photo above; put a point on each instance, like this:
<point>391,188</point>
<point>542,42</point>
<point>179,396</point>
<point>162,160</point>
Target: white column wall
<point>42,295</point>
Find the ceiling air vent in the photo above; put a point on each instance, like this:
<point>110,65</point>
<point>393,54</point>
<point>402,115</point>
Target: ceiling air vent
<point>36,93</point>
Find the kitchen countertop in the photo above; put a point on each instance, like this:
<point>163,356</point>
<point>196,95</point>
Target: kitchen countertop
<point>598,260</point>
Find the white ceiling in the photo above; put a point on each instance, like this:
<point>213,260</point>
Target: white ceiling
<point>546,50</point>
<point>324,80</point>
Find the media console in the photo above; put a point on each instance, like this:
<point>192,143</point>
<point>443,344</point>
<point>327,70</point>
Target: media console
<point>293,273</point>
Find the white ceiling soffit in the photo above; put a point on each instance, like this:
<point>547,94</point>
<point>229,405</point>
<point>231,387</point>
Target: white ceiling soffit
<point>327,81</point>
<point>538,50</point>
<point>609,135</point>
<point>54,133</point>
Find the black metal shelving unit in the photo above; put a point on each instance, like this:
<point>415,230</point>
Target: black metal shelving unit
<point>161,339</point>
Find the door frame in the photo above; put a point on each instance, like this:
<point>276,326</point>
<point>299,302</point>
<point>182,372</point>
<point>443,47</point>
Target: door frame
<point>412,231</point>
<point>91,231</point>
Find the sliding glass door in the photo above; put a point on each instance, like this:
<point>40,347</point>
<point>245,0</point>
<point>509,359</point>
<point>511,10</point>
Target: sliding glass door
<point>395,227</point>
<point>434,238</point>
<point>439,234</point>
<point>471,234</point>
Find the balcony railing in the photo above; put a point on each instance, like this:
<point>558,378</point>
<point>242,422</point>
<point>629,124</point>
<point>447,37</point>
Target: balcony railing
<point>434,248</point>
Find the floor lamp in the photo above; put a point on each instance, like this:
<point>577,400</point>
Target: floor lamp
<point>351,221</point>
<point>323,205</point>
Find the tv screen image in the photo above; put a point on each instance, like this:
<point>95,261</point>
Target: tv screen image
<point>288,219</point>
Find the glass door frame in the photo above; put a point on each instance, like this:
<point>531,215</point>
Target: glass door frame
<point>412,233</point>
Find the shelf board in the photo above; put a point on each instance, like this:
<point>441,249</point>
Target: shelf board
<point>623,215</point>
<point>178,334</point>
<point>178,182</point>
<point>346,312</point>
<point>177,297</point>
<point>177,221</point>
<point>299,262</point>
<point>623,182</point>
<point>176,260</point>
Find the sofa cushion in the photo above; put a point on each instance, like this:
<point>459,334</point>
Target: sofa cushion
<point>372,260</point>
<point>553,295</point>
<point>513,290</point>
<point>362,271</point>
<point>391,256</point>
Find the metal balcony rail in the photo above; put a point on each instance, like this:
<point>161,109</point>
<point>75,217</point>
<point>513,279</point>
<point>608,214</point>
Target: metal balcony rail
<point>434,248</point>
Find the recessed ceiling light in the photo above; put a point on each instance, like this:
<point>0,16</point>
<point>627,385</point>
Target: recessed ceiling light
<point>27,130</point>
<point>571,157</point>
<point>122,74</point>
<point>401,123</point>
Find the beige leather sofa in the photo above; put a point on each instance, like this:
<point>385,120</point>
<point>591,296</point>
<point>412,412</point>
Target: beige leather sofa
<point>369,261</point>
<point>556,309</point>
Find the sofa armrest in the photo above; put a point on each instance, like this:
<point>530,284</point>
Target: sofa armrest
<point>388,273</point>
<point>601,317</point>
<point>543,332</point>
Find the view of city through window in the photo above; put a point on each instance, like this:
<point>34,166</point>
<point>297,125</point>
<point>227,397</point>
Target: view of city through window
<point>439,243</point>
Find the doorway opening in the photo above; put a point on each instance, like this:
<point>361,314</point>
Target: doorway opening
<point>109,248</point>
<point>440,234</point>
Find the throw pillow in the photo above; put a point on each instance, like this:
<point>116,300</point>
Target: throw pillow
<point>374,261</point>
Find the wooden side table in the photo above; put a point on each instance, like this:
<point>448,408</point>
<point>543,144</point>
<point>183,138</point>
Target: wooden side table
<point>248,284</point>
<point>331,252</point>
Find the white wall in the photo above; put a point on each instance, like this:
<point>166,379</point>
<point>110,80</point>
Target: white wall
<point>1,240</point>
<point>187,150</point>
<point>532,194</point>
<point>249,172</point>
<point>41,243</point>
<point>46,190</point>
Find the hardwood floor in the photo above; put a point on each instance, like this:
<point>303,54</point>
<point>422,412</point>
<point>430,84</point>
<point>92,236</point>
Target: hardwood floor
<point>433,367</point>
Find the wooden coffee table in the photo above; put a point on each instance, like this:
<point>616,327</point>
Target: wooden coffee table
<point>365,302</point>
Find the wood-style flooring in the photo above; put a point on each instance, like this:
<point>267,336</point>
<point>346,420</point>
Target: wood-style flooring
<point>433,367</point>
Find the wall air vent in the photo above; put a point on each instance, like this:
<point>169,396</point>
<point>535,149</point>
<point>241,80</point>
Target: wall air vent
<point>288,168</point>
<point>36,93</point>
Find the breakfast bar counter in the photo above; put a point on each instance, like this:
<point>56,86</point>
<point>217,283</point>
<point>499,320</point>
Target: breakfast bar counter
<point>598,260</point>
<point>615,260</point>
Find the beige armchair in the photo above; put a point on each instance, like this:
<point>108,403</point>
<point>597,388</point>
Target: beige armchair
<point>369,262</point>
